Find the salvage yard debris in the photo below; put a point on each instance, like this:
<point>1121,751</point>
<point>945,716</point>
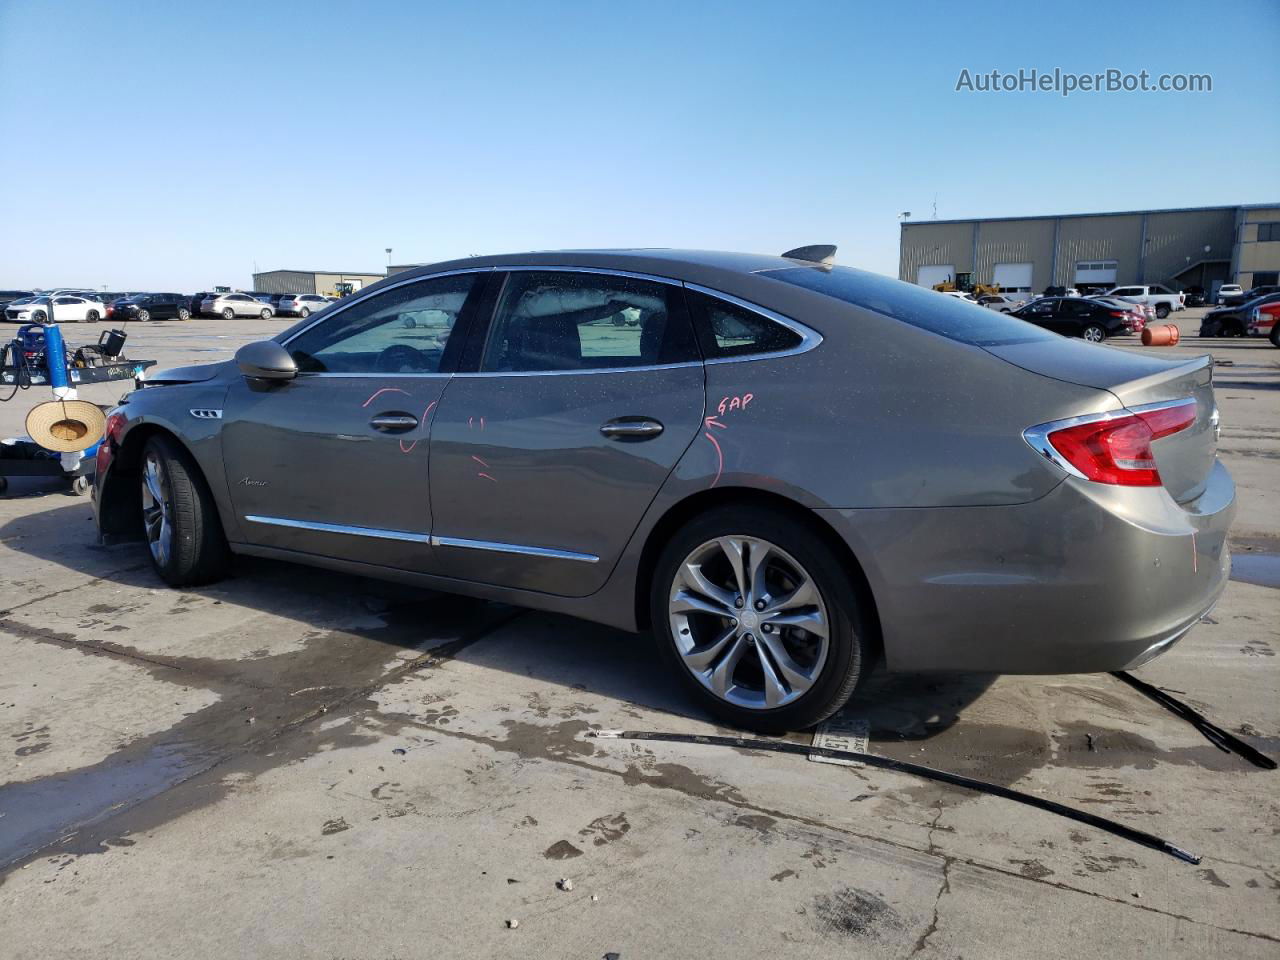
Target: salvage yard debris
<point>1139,837</point>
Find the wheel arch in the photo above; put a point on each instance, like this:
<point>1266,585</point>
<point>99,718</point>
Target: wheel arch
<point>119,507</point>
<point>683,511</point>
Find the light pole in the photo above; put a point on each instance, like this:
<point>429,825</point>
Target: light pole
<point>388,258</point>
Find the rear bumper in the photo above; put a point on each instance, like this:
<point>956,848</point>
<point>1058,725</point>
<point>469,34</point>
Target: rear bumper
<point>1089,578</point>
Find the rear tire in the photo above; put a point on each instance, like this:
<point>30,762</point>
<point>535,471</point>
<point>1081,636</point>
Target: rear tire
<point>1275,335</point>
<point>1162,311</point>
<point>828,674</point>
<point>304,313</point>
<point>180,521</point>
<point>228,314</point>
<point>1094,333</point>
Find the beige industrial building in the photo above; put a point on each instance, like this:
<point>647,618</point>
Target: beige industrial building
<point>1193,246</point>
<point>325,282</point>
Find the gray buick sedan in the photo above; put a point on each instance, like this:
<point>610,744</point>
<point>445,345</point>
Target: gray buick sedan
<point>787,470</point>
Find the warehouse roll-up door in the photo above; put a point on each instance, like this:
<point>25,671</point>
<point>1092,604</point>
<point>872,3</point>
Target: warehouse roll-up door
<point>928,276</point>
<point>1012,277</point>
<point>1096,273</point>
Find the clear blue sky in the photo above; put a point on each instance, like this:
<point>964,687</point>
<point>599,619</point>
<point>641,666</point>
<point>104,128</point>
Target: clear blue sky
<point>174,144</point>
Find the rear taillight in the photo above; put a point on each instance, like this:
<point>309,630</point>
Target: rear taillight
<point>1119,314</point>
<point>1112,448</point>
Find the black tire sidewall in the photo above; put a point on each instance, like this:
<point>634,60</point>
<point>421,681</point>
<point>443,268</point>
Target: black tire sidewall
<point>228,311</point>
<point>198,553</point>
<point>849,655</point>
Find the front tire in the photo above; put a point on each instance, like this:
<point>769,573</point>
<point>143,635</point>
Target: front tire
<point>144,315</point>
<point>91,316</point>
<point>758,618</point>
<point>180,520</point>
<point>184,313</point>
<point>1094,333</point>
<point>265,314</point>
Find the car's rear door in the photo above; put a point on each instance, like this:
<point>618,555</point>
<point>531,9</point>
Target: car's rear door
<point>586,389</point>
<point>335,462</point>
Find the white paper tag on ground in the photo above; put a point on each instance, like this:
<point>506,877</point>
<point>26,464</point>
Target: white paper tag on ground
<point>841,733</point>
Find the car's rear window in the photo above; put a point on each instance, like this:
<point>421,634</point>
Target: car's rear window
<point>949,316</point>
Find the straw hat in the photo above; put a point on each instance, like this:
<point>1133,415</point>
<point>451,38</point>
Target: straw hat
<point>65,426</point>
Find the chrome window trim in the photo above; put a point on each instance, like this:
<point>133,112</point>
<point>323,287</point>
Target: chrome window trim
<point>809,338</point>
<point>605,271</point>
<point>1037,437</point>
<point>649,368</point>
<point>326,315</point>
<point>318,527</point>
<point>380,375</point>
<point>496,547</point>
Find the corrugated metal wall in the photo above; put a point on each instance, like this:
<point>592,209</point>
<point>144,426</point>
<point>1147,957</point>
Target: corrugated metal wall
<point>1176,240</point>
<point>1086,239</point>
<point>1015,241</point>
<point>284,281</point>
<point>932,244</point>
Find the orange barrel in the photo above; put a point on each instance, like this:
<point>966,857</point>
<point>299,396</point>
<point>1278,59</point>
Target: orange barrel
<point>1161,335</point>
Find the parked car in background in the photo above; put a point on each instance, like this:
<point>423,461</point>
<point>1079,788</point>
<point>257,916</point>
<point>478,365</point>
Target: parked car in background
<point>1263,321</point>
<point>300,304</point>
<point>1000,302</point>
<point>66,308</point>
<point>690,474</point>
<point>1137,312</point>
<point>153,306</point>
<point>1076,317</point>
<point>229,305</point>
<point>1236,299</point>
<point>1228,290</point>
<point>1196,296</point>
<point>958,294</point>
<point>270,298</point>
<point>1164,300</point>
<point>1233,321</point>
<point>195,302</point>
<point>8,296</point>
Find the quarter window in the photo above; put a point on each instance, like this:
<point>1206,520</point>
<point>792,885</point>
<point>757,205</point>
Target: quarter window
<point>402,330</point>
<point>552,320</point>
<point>728,330</point>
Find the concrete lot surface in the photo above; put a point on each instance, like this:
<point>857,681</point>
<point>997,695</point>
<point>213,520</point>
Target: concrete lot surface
<point>293,763</point>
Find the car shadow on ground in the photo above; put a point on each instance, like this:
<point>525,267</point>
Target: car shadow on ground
<point>350,619</point>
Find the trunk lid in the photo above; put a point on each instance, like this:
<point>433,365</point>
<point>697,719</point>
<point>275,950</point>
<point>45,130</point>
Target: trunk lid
<point>1184,459</point>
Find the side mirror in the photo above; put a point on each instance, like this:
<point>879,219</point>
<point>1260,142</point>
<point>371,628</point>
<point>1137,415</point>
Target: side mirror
<point>266,360</point>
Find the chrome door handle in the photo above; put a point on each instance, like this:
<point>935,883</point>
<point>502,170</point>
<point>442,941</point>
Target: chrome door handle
<point>394,422</point>
<point>638,429</point>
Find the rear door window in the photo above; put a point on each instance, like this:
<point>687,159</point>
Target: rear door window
<point>567,320</point>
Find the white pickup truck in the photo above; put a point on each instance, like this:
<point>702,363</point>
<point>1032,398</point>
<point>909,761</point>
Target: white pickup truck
<point>1164,300</point>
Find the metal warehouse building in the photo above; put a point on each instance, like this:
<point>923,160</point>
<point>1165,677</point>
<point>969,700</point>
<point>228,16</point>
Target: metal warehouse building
<point>1204,246</point>
<point>324,282</point>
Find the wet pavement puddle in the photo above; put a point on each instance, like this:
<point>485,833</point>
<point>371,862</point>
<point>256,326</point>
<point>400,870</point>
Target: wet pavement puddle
<point>1256,567</point>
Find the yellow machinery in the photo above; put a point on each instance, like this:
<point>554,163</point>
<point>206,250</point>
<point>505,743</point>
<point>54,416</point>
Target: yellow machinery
<point>975,290</point>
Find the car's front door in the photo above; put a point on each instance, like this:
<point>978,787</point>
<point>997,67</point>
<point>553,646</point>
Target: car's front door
<point>545,458</point>
<point>335,461</point>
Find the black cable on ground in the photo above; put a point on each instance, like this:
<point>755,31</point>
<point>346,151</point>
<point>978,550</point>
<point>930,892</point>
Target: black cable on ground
<point>1224,741</point>
<point>1148,840</point>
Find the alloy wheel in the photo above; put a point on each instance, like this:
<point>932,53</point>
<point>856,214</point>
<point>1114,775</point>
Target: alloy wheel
<point>144,315</point>
<point>749,622</point>
<point>157,509</point>
<point>1093,334</point>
